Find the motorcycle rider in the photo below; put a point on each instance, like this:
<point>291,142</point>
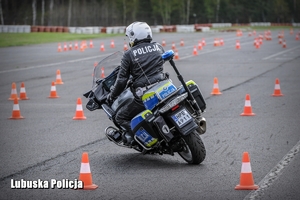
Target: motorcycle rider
<point>144,63</point>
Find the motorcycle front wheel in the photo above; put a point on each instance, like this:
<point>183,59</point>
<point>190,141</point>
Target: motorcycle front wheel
<point>193,151</point>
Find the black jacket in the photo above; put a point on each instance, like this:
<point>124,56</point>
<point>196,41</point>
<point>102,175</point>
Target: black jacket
<point>146,56</point>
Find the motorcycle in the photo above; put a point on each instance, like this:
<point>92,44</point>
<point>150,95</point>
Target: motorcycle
<point>172,121</point>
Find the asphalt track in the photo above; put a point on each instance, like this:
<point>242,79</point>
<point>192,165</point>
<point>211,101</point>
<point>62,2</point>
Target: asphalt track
<point>48,143</point>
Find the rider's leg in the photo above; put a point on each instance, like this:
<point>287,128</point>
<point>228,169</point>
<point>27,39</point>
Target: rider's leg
<point>126,113</point>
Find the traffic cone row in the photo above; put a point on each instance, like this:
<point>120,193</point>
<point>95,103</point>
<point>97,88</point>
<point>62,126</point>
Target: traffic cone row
<point>247,106</point>
<point>16,114</point>
<point>83,45</point>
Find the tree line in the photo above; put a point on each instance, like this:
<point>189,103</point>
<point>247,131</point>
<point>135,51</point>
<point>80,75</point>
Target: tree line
<point>154,12</point>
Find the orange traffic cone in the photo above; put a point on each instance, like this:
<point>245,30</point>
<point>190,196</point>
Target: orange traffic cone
<point>277,91</point>
<point>112,44</point>
<point>79,111</point>
<point>215,42</point>
<point>216,90</point>
<point>102,72</point>
<point>102,47</point>
<point>297,37</point>
<point>255,41</point>
<point>283,44</point>
<point>237,45</point>
<point>82,48</point>
<point>176,57</point>
<point>280,41</point>
<point>200,45</point>
<point>13,94</point>
<point>125,47</point>
<point>247,107</point>
<point>16,114</point>
<point>246,177</point>
<point>23,95</point>
<point>203,42</point>
<point>218,42</point>
<point>53,93</point>
<point>221,42</point>
<point>85,173</point>
<point>91,44</point>
<point>76,45</point>
<point>257,45</point>
<point>182,43</point>
<point>195,52</point>
<point>173,46</point>
<point>65,47</point>
<point>59,48</point>
<point>70,46</point>
<point>58,78</point>
<point>163,43</point>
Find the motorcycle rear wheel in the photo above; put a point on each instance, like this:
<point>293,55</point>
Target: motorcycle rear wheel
<point>194,151</point>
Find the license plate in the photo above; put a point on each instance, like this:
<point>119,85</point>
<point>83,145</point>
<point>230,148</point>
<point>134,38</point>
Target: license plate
<point>182,117</point>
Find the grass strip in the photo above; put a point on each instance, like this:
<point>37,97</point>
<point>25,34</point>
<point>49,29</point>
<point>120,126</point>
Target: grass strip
<point>23,39</point>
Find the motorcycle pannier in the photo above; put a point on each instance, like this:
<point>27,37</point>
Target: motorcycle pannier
<point>141,127</point>
<point>197,94</point>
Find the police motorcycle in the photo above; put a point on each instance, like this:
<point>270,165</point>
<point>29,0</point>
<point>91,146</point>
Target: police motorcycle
<point>172,121</point>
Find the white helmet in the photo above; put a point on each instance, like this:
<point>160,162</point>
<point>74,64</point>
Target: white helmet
<point>138,31</point>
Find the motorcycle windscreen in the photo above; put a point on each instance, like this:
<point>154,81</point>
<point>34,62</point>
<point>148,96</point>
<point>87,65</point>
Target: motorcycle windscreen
<point>108,63</point>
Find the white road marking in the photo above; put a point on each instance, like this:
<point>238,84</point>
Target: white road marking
<point>53,64</point>
<point>279,53</point>
<point>274,174</point>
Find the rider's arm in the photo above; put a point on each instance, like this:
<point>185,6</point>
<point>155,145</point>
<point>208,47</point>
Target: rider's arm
<point>122,79</point>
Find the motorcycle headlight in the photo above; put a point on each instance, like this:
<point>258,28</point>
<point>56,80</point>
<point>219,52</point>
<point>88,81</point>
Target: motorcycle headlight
<point>173,103</point>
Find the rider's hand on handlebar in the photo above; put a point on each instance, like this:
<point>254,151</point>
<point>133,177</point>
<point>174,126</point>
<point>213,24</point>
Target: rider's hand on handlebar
<point>109,99</point>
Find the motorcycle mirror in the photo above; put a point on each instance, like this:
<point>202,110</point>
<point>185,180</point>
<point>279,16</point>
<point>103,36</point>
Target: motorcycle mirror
<point>168,55</point>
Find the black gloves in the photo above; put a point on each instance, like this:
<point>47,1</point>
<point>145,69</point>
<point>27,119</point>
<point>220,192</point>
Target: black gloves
<point>109,99</point>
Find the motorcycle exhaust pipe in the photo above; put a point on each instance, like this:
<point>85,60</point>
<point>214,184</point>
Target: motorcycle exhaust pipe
<point>201,122</point>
